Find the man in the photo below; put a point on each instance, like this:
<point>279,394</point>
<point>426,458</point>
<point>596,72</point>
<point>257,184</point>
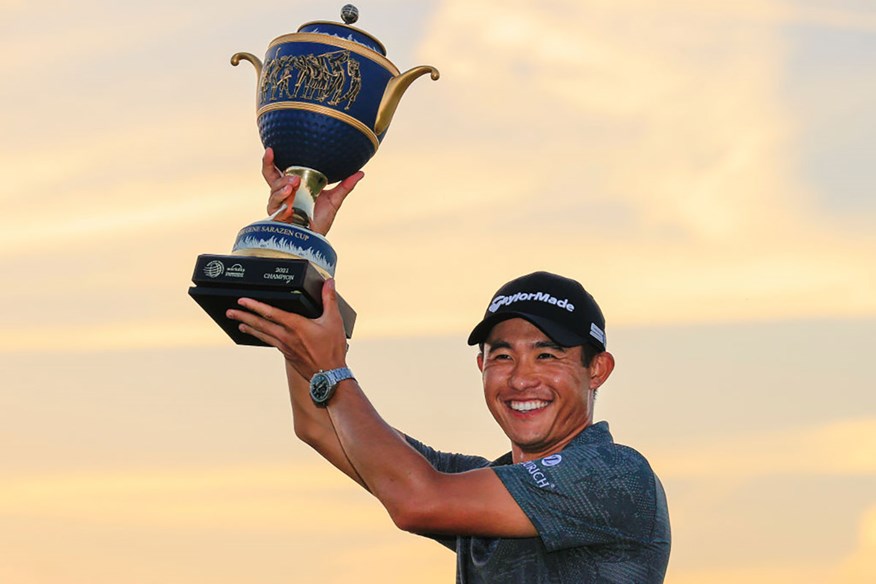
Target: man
<point>566,504</point>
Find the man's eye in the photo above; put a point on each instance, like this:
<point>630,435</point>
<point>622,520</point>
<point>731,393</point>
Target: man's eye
<point>547,356</point>
<point>501,356</point>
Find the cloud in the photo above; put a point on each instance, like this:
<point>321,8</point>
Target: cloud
<point>653,145</point>
<point>253,498</point>
<point>426,561</point>
<point>860,566</point>
<point>252,521</point>
<point>837,448</point>
<point>115,336</point>
<point>839,15</point>
<point>696,137</point>
<point>135,209</point>
<point>732,500</point>
<point>800,572</point>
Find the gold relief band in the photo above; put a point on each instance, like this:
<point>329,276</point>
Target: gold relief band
<point>326,111</point>
<point>326,39</point>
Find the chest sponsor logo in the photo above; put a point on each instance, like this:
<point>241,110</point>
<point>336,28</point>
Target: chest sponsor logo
<point>552,460</point>
<point>537,475</point>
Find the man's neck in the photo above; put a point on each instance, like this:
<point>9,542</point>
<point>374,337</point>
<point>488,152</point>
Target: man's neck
<point>519,454</point>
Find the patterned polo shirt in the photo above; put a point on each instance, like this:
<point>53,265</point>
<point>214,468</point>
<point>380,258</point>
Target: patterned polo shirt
<point>599,509</point>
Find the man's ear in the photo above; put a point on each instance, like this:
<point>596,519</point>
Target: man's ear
<point>600,368</point>
<point>481,361</point>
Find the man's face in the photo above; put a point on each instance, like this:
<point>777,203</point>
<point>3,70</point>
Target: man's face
<point>539,392</point>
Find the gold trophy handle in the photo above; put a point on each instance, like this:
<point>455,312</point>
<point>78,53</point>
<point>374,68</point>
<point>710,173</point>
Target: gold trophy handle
<point>393,94</point>
<point>236,58</point>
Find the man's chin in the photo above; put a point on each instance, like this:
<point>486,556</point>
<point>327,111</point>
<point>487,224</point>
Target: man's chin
<point>525,440</point>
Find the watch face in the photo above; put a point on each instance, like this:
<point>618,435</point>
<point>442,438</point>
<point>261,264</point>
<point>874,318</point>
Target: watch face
<point>319,387</point>
<point>323,383</point>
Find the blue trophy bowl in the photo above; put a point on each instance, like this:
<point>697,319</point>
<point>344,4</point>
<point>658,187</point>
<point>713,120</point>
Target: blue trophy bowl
<point>326,96</point>
<point>319,94</point>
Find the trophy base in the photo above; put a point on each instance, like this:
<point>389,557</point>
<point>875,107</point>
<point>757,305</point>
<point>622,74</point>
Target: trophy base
<point>293,285</point>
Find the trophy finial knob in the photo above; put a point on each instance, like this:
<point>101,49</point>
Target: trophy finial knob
<point>350,14</point>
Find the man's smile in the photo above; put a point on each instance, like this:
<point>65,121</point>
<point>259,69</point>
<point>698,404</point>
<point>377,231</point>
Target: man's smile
<point>527,405</point>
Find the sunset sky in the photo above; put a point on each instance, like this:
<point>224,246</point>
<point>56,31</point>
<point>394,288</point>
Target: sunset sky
<point>705,169</point>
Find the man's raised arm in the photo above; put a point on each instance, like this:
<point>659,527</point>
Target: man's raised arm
<point>417,497</point>
<point>312,424</point>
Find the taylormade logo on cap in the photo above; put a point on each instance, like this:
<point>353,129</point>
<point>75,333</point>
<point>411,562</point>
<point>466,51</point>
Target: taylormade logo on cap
<point>500,301</point>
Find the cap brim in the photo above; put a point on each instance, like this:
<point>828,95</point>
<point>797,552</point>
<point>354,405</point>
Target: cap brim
<point>558,334</point>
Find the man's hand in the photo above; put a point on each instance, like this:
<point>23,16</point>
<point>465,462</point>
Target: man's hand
<point>309,345</point>
<point>283,189</point>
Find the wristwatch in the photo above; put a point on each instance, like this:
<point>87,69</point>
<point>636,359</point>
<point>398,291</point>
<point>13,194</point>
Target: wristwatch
<point>323,384</point>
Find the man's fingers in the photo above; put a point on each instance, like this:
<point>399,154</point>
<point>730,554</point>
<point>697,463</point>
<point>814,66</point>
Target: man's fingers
<point>330,308</point>
<point>264,337</point>
<point>283,191</point>
<point>351,181</point>
<point>310,344</point>
<point>340,192</point>
<point>275,200</point>
<point>329,295</point>
<point>269,169</point>
<point>259,310</point>
<point>254,325</point>
<point>262,320</point>
<point>328,203</point>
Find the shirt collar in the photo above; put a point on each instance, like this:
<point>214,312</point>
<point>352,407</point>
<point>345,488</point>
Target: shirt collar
<point>592,435</point>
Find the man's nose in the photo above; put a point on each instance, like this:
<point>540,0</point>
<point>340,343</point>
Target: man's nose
<point>523,375</point>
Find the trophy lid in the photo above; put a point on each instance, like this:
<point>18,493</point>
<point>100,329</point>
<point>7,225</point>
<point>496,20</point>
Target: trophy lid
<point>350,14</point>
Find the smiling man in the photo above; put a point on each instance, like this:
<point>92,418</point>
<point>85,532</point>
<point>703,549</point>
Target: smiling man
<point>565,505</point>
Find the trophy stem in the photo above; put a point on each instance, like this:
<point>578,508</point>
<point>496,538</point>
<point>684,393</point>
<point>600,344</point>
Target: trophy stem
<point>312,183</point>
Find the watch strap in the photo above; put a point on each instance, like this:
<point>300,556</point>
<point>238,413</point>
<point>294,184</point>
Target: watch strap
<point>336,376</point>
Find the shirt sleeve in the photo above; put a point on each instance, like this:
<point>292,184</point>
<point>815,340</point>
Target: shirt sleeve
<point>447,461</point>
<point>587,496</point>
<point>450,463</point>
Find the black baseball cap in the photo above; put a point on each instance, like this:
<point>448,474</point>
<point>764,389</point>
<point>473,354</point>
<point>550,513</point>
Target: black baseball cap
<point>559,306</point>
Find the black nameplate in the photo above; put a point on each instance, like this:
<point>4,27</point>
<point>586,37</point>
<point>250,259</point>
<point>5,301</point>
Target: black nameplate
<point>288,284</point>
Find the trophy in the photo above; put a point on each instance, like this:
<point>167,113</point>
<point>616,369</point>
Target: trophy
<point>325,98</point>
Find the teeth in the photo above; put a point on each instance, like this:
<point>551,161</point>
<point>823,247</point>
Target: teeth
<point>525,406</point>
